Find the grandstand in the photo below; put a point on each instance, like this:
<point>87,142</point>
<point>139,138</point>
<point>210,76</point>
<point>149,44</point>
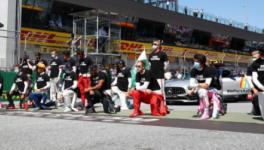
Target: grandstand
<point>48,25</point>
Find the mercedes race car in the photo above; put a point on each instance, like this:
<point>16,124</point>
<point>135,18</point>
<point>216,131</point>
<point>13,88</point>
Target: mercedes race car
<point>176,90</point>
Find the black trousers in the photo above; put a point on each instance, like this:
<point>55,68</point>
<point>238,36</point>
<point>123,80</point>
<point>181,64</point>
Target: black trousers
<point>10,100</point>
<point>97,97</point>
<point>255,104</point>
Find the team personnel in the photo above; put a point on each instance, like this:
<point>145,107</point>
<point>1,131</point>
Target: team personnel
<point>258,75</point>
<point>122,83</point>
<point>202,79</point>
<point>159,63</point>
<point>20,88</point>
<point>147,91</point>
<point>54,73</point>
<point>69,90</point>
<point>41,88</point>
<point>38,59</point>
<point>84,76</point>
<point>68,61</point>
<point>25,66</point>
<point>95,93</point>
<point>253,94</point>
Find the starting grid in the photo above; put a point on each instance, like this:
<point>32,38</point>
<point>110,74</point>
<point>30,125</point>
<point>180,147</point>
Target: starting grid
<point>81,117</point>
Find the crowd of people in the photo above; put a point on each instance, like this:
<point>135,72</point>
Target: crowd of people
<point>62,82</point>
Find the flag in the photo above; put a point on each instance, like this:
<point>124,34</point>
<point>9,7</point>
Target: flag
<point>244,83</point>
<point>142,57</point>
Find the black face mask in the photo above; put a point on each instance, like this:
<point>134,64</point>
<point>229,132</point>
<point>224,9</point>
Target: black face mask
<point>67,72</point>
<point>94,73</point>
<point>118,68</point>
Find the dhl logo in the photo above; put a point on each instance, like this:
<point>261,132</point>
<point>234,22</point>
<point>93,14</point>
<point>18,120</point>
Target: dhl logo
<point>131,46</point>
<point>41,37</point>
<point>58,39</point>
<point>137,46</point>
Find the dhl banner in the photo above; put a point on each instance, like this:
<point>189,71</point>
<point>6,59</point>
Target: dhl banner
<point>59,39</point>
<point>44,38</point>
<point>174,51</point>
<point>52,39</point>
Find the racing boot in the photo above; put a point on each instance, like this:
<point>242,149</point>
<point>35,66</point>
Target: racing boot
<point>26,105</point>
<point>205,115</point>
<point>136,102</point>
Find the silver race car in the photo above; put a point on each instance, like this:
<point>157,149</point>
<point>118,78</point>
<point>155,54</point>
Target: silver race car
<point>177,90</point>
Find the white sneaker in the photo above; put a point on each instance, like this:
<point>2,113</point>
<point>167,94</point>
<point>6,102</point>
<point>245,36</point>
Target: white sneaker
<point>67,109</point>
<point>215,114</point>
<point>124,108</point>
<point>74,109</point>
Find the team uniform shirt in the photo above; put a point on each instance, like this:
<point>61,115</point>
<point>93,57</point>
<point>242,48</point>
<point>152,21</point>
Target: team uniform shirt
<point>19,81</point>
<point>55,67</point>
<point>147,76</point>
<point>69,79</point>
<point>69,63</point>
<point>258,66</point>
<point>157,60</point>
<point>207,72</point>
<point>122,79</point>
<point>95,80</point>
<point>84,65</point>
<point>25,68</point>
<point>42,80</point>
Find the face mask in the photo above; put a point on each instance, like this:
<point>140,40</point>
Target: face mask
<point>197,65</point>
<point>253,59</point>
<point>16,70</point>
<point>67,71</point>
<point>53,56</point>
<point>154,47</point>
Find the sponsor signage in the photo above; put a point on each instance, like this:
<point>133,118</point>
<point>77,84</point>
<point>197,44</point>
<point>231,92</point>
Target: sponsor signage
<point>60,39</point>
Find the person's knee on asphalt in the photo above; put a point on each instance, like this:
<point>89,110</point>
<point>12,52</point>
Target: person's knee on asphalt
<point>69,89</point>
<point>41,88</point>
<point>202,79</point>
<point>98,85</point>
<point>85,63</point>
<point>122,83</point>
<point>19,88</point>
<point>146,89</point>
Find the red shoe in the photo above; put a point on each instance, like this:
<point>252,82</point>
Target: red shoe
<point>135,114</point>
<point>11,107</point>
<point>26,106</point>
<point>155,114</point>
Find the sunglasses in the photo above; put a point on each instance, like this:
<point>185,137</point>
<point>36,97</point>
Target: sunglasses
<point>138,66</point>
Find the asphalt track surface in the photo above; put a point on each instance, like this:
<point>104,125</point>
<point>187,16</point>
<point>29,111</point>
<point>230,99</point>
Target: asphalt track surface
<point>48,130</point>
<point>160,122</point>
